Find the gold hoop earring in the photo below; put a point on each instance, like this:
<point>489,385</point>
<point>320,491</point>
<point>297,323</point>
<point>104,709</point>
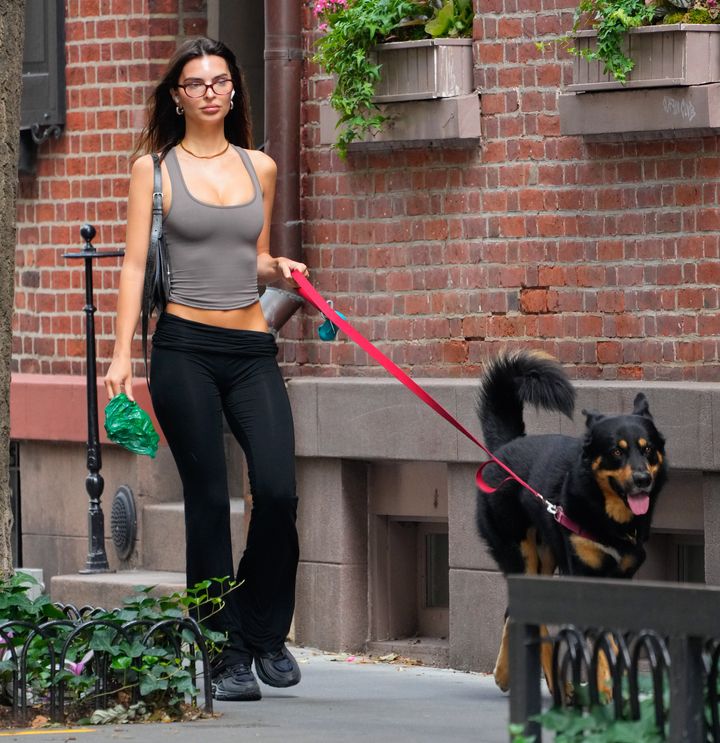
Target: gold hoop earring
<point>179,110</point>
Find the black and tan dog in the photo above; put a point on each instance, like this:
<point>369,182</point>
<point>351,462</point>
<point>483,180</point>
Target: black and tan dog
<point>606,482</point>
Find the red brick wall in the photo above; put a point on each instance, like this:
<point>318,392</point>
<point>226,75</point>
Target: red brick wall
<point>114,50</point>
<point>606,255</point>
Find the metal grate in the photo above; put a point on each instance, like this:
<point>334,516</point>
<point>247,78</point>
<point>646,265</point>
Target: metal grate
<point>123,522</point>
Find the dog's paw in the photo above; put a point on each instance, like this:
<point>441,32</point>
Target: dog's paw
<point>502,677</point>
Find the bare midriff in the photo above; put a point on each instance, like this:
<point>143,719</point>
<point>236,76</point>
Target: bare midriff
<point>242,318</point>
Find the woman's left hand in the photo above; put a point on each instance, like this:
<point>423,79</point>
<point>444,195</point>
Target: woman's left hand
<point>286,266</point>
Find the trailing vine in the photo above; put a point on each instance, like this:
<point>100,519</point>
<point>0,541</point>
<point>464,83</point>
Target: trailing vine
<point>352,28</point>
<point>612,19</point>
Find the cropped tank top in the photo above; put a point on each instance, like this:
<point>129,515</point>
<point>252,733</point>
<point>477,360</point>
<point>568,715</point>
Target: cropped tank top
<point>212,249</point>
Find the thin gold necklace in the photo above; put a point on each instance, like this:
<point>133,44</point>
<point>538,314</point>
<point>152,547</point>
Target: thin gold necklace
<point>206,157</point>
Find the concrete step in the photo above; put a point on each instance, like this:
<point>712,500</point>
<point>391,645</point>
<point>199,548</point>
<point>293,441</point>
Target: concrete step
<point>109,589</point>
<point>163,534</point>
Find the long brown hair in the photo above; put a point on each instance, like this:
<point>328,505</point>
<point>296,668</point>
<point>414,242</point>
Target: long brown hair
<point>165,128</point>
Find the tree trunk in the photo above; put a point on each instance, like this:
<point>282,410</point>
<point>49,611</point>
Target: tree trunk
<point>12,30</point>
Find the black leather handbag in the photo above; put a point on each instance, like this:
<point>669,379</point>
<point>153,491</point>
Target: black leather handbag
<point>156,290</point>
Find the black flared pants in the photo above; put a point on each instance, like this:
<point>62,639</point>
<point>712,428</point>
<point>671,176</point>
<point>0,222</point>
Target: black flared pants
<point>199,374</point>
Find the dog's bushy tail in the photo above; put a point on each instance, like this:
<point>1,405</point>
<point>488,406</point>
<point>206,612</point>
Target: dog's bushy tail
<point>512,380</point>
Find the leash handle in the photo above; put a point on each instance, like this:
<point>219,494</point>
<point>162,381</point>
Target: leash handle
<point>310,294</point>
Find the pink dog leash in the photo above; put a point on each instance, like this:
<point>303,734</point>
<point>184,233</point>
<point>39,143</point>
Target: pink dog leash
<point>310,294</point>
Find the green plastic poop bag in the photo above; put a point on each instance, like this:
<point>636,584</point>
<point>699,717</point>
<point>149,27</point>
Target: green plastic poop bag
<point>130,426</point>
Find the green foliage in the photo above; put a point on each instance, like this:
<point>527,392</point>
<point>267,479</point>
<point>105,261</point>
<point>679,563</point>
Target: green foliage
<point>351,28</point>
<point>518,736</point>
<point>676,17</point>
<point>701,12</point>
<point>344,51</point>
<point>452,20</point>
<point>161,667</point>
<point>612,19</point>
<point>699,15</point>
<point>598,725</point>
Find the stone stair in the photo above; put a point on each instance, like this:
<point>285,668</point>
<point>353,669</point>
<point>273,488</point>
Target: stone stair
<point>163,522</point>
<point>162,557</point>
<point>159,556</point>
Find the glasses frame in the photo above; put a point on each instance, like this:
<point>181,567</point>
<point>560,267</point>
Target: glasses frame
<point>208,85</point>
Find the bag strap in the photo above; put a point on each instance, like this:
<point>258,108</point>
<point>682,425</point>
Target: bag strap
<point>154,247</point>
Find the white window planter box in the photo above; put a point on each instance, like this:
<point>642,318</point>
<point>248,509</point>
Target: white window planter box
<point>424,69</point>
<point>664,56</point>
<point>427,89</point>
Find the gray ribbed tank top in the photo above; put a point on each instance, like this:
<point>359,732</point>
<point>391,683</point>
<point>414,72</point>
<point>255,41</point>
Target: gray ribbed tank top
<point>212,249</point>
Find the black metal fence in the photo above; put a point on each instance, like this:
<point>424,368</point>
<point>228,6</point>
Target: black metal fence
<point>669,633</point>
<point>34,660</point>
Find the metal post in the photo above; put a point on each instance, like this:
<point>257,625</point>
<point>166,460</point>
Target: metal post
<point>97,561</point>
<point>525,700</point>
<point>687,718</point>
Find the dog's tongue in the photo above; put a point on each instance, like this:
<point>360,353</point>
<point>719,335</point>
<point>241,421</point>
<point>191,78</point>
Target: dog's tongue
<point>639,503</point>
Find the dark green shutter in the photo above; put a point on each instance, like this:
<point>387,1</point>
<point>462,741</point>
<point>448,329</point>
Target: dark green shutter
<point>43,95</point>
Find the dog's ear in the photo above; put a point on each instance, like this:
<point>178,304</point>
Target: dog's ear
<point>592,417</point>
<point>641,407</point>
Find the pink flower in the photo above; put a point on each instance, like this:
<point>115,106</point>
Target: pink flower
<point>8,653</point>
<point>77,668</point>
<point>328,6</point>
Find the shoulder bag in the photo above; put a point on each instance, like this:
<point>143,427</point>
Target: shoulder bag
<point>156,289</point>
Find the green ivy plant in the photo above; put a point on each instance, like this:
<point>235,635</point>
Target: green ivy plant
<point>586,724</point>
<point>612,19</point>
<point>163,677</point>
<point>352,28</point>
<point>452,19</point>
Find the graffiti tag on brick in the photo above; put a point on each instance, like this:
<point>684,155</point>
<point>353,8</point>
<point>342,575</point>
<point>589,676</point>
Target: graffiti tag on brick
<point>674,107</point>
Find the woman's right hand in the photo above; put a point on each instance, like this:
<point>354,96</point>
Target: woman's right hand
<point>119,378</point>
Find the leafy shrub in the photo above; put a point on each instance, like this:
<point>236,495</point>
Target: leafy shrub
<point>74,662</point>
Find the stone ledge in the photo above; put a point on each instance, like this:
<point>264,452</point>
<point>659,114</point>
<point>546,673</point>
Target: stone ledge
<point>379,419</point>
<point>53,407</point>
<point>442,120</point>
<point>647,113</point>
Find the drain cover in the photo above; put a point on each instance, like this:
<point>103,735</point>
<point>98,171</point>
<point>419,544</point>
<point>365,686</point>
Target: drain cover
<point>123,522</point>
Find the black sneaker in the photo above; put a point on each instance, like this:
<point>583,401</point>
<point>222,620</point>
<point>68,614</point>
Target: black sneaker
<point>278,669</point>
<point>236,683</point>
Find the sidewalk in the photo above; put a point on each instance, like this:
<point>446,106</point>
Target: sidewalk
<point>338,700</point>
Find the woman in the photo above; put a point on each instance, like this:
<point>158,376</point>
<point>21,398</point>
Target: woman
<point>212,352</point>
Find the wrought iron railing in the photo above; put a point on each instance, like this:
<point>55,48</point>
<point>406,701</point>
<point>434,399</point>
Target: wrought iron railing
<point>614,644</point>
<point>29,650</point>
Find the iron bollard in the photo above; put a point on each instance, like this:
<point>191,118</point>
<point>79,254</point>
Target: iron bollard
<point>97,561</point>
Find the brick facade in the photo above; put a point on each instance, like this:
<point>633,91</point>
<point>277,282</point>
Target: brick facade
<point>113,48</point>
<point>605,254</point>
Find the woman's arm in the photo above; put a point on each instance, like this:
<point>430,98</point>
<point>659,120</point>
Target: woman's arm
<point>270,269</point>
<point>132,276</point>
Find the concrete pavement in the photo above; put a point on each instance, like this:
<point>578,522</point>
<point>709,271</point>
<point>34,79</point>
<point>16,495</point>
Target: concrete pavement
<point>340,699</point>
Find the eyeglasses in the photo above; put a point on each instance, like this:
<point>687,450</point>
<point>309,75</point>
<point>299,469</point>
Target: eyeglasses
<point>196,89</point>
